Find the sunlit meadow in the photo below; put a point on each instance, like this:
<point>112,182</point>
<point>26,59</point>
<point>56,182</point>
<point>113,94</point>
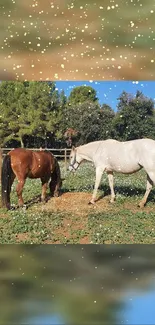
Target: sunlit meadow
<point>69,218</point>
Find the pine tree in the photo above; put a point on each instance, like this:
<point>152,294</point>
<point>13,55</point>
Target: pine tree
<point>81,94</point>
<point>134,119</point>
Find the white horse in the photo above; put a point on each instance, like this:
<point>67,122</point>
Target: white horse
<point>115,156</point>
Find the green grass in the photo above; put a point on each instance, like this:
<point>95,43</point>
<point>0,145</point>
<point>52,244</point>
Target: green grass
<point>121,222</point>
<point>38,227</point>
<point>125,227</point>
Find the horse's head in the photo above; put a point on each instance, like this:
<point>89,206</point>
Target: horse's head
<point>55,188</point>
<point>75,160</point>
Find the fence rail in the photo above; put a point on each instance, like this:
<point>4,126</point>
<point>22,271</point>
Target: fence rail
<point>65,150</point>
<point>63,153</point>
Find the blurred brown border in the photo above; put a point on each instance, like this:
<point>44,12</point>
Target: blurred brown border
<point>77,40</point>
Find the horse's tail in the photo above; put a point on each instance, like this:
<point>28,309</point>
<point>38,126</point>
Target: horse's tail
<point>56,182</point>
<point>6,174</point>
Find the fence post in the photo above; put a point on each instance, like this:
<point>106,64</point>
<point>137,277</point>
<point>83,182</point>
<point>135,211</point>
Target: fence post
<point>65,159</point>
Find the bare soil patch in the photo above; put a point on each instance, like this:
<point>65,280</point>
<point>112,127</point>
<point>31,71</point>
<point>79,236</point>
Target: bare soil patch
<point>22,237</point>
<point>77,203</point>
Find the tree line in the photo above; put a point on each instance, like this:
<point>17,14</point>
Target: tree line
<point>34,114</point>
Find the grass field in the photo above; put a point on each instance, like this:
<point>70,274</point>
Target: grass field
<point>69,218</point>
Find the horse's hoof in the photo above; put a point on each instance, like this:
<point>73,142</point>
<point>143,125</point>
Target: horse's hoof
<point>12,207</point>
<point>24,207</point>
<point>112,202</point>
<point>141,206</point>
<point>93,203</point>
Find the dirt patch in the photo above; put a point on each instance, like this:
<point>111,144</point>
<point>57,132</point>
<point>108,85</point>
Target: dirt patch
<point>76,203</point>
<point>134,207</point>
<point>74,227</point>
<point>84,240</point>
<point>3,215</point>
<point>22,237</point>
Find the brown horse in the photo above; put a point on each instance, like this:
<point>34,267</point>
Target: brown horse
<point>23,163</point>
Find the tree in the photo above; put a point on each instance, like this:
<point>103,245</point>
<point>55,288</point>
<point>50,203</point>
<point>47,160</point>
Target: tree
<point>45,106</point>
<point>81,94</point>
<point>135,118</point>
<point>89,121</point>
<point>13,99</point>
<point>124,100</point>
<point>106,121</point>
<point>62,99</point>
<point>39,108</point>
<point>28,110</point>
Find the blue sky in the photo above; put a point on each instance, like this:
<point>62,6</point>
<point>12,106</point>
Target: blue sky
<point>109,91</point>
<point>139,309</point>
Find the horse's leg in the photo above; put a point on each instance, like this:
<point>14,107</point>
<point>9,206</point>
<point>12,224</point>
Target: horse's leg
<point>99,172</point>
<point>149,184</point>
<point>19,189</point>
<point>56,192</point>
<point>111,184</point>
<point>44,190</point>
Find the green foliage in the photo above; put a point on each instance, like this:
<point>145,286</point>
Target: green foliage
<point>63,99</point>
<point>13,109</point>
<point>91,121</point>
<point>35,113</point>
<point>107,116</point>
<point>39,107</point>
<point>28,109</point>
<point>135,117</point>
<point>81,94</point>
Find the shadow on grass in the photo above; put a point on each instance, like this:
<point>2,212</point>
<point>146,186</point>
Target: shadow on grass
<point>127,191</point>
<point>37,199</point>
<point>29,203</point>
